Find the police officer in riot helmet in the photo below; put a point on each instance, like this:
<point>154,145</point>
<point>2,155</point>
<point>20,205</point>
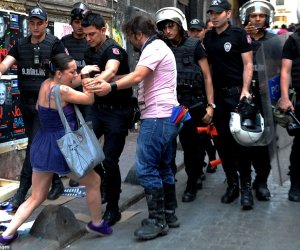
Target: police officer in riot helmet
<point>32,54</point>
<point>290,69</point>
<point>75,42</point>
<point>256,16</point>
<point>194,90</point>
<point>76,45</point>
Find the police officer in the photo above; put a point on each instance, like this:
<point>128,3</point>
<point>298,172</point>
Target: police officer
<point>230,55</point>
<point>197,29</point>
<point>256,16</point>
<point>109,114</point>
<point>194,90</point>
<point>75,42</point>
<point>290,69</point>
<point>76,45</point>
<point>32,55</point>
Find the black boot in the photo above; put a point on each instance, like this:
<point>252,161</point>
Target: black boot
<point>57,188</point>
<point>73,183</point>
<point>156,224</point>
<point>112,213</point>
<point>19,198</point>
<point>170,206</point>
<point>189,194</point>
<point>246,195</point>
<point>262,191</point>
<point>232,191</point>
<point>294,192</point>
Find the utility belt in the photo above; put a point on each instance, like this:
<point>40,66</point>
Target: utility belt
<point>111,106</point>
<point>230,91</point>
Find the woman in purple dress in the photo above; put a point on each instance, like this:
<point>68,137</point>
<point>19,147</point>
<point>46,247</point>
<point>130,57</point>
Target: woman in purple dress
<point>45,156</point>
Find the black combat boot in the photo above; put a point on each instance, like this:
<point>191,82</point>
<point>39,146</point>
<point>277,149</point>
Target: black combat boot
<point>246,195</point>
<point>294,192</point>
<point>156,224</point>
<point>262,191</point>
<point>57,188</point>
<point>232,191</point>
<point>112,213</point>
<point>19,197</point>
<point>170,205</point>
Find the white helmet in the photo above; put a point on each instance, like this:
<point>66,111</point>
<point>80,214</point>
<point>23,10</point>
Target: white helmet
<point>246,132</point>
<point>260,6</point>
<point>171,13</point>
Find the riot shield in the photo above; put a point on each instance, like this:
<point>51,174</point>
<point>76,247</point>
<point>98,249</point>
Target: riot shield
<point>268,59</point>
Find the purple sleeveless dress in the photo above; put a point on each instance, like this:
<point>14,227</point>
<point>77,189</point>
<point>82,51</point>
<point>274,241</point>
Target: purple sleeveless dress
<point>45,155</point>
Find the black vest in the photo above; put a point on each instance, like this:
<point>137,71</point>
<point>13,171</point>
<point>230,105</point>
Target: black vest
<point>76,49</point>
<point>92,57</point>
<point>189,74</point>
<point>296,63</point>
<point>31,76</point>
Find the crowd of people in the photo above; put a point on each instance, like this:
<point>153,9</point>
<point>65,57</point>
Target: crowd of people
<point>209,68</point>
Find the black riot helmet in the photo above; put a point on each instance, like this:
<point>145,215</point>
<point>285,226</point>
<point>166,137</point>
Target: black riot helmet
<point>78,11</point>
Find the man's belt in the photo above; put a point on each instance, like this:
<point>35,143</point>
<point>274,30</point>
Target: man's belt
<point>229,91</point>
<point>111,106</point>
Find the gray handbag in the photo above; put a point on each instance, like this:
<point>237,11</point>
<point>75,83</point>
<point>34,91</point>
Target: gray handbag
<point>81,148</point>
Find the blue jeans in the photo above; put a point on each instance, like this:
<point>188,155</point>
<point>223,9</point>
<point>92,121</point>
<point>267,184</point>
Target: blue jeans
<point>154,152</point>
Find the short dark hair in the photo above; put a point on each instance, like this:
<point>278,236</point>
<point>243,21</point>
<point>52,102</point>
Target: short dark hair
<point>93,19</point>
<point>59,62</point>
<point>141,24</point>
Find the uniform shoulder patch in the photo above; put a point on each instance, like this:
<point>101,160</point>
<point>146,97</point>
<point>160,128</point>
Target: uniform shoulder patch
<point>249,40</point>
<point>116,51</point>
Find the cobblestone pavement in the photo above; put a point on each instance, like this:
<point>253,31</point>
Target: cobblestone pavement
<point>206,223</point>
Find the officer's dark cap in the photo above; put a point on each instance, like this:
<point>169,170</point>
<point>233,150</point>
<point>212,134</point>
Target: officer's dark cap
<point>219,6</point>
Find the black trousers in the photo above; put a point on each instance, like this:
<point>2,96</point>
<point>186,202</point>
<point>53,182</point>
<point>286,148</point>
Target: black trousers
<point>235,158</point>
<point>194,151</point>
<point>113,124</point>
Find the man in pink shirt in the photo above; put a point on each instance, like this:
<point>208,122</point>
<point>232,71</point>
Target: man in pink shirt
<point>155,75</point>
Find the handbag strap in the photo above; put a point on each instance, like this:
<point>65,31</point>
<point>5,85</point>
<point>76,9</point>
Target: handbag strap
<point>60,110</point>
<point>61,113</point>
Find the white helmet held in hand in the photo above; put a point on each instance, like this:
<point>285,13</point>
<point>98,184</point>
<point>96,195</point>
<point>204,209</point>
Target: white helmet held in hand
<point>246,132</point>
<point>173,14</point>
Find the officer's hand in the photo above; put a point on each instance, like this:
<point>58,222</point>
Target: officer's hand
<point>99,87</point>
<point>251,29</point>
<point>90,68</point>
<point>209,115</point>
<point>245,93</point>
<point>285,104</point>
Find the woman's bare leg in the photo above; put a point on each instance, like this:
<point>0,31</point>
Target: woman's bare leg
<point>93,196</point>
<point>40,187</point>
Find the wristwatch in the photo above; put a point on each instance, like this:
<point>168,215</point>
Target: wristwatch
<point>211,105</point>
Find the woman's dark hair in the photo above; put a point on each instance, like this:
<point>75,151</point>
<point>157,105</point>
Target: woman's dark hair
<point>59,62</point>
<point>93,19</point>
<point>139,24</point>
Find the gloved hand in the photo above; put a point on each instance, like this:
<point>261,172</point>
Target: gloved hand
<point>246,108</point>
